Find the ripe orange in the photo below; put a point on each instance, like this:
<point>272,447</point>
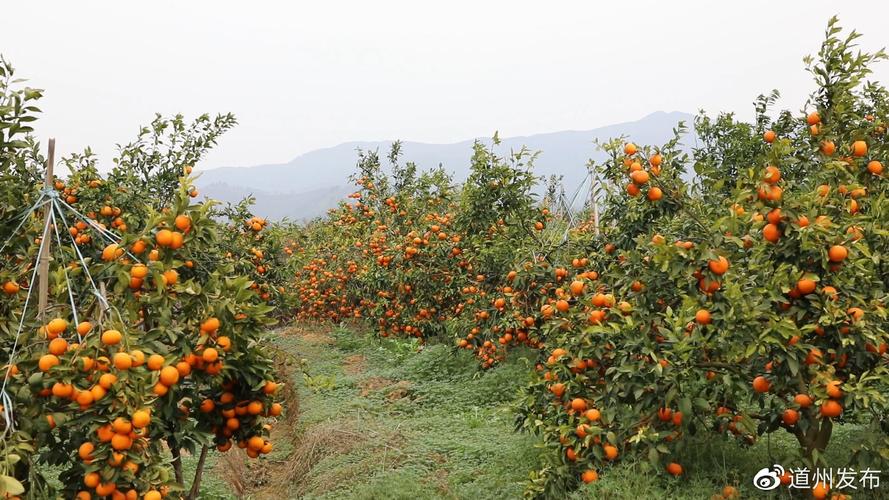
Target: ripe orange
<point>121,425</point>
<point>771,233</point>
<point>772,175</point>
<point>111,337</point>
<point>674,469</point>
<point>769,136</point>
<point>828,148</point>
<point>761,384</point>
<point>578,405</point>
<point>630,149</point>
<point>47,362</point>
<point>122,361</point>
<point>859,148</point>
<point>790,416</point>
<point>831,409</point>
<point>155,362</point>
<point>164,237</point>
<point>85,452</point>
<point>210,355</point>
<point>58,346</point>
<point>139,271</point>
<point>875,167</point>
<point>589,476</point>
<point>803,400</point>
<point>11,287</point>
<point>170,277</point>
<point>169,375</point>
<point>610,452</point>
<point>820,490</point>
<point>141,419</point>
<point>806,286</point>
<point>84,327</point>
<point>718,266</point>
<point>833,389</point>
<point>576,288</point>
<point>91,479</point>
<point>837,253</point>
<point>56,327</point>
<point>639,177</point>
<point>703,317</point>
<point>182,222</point>
<point>813,118</point>
<point>655,194</point>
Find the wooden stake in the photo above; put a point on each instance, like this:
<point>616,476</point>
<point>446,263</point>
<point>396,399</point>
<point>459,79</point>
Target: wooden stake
<point>43,265</point>
<point>595,202</point>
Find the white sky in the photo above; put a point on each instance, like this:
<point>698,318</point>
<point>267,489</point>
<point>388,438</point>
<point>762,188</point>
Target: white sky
<point>304,75</point>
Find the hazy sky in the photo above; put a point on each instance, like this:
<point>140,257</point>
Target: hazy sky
<point>305,75</point>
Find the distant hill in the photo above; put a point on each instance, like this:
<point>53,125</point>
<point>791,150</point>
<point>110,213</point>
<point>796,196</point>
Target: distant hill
<point>313,182</point>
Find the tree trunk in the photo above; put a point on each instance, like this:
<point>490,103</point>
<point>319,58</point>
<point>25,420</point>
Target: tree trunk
<point>177,459</point>
<point>816,438</point>
<point>198,473</point>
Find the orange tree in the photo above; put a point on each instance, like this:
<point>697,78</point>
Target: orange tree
<point>748,301</point>
<point>151,341</point>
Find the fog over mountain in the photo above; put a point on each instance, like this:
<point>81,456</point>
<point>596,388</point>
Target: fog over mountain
<point>315,181</point>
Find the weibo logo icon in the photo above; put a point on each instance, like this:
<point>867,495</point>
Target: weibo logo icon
<point>768,478</point>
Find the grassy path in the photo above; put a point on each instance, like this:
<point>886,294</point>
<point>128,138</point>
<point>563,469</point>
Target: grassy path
<point>381,420</point>
<point>371,419</point>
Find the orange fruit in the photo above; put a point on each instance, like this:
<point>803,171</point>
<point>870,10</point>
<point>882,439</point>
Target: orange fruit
<point>122,361</point>
<point>58,346</point>
<point>164,237</point>
<point>47,362</point>
<point>182,222</point>
<point>11,287</point>
<point>819,491</point>
<point>610,451</point>
<point>702,317</point>
<point>718,266</point>
<point>772,175</point>
<point>169,375</point>
<point>806,286</point>
<point>630,149</point>
<point>91,479</point>
<point>790,416</point>
<point>833,389</point>
<point>803,400</point>
<point>121,425</point>
<point>674,469</point>
<point>771,233</point>
<point>170,277</point>
<point>210,355</point>
<point>84,327</point>
<point>875,167</point>
<point>761,384</point>
<point>141,419</point>
<point>831,409</point>
<point>589,476</point>
<point>859,148</point>
<point>111,337</point>
<point>85,452</point>
<point>655,194</point>
<point>139,271</point>
<point>837,253</point>
<point>813,118</point>
<point>56,327</point>
<point>769,136</point>
<point>155,362</point>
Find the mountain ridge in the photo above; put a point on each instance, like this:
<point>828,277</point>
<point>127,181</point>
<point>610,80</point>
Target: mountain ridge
<point>314,181</point>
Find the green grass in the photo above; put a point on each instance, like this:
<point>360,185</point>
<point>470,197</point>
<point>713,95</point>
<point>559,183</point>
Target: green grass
<point>389,419</point>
